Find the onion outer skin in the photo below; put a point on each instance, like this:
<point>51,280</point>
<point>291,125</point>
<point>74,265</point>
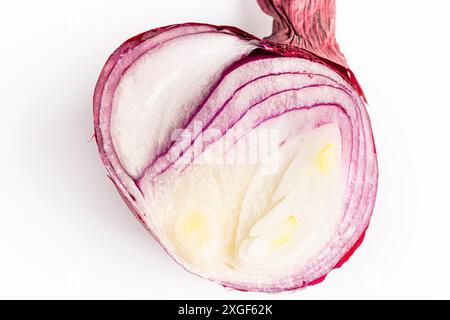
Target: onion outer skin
<point>333,62</point>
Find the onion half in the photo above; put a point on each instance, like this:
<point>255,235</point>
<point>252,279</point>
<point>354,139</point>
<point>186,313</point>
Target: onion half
<point>251,161</point>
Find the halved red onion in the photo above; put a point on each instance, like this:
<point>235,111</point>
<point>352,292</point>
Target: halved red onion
<point>251,161</point>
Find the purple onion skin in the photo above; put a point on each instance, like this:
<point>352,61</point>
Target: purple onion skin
<point>293,36</point>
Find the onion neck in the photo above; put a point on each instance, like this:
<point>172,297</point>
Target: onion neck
<point>305,24</point>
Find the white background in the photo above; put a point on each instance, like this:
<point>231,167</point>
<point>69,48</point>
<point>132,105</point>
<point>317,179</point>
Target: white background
<point>64,230</point>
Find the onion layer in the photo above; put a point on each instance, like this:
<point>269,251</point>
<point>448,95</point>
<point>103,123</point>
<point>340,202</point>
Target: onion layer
<point>251,161</point>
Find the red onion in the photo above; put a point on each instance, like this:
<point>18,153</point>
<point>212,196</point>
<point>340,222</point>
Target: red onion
<point>251,161</point>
